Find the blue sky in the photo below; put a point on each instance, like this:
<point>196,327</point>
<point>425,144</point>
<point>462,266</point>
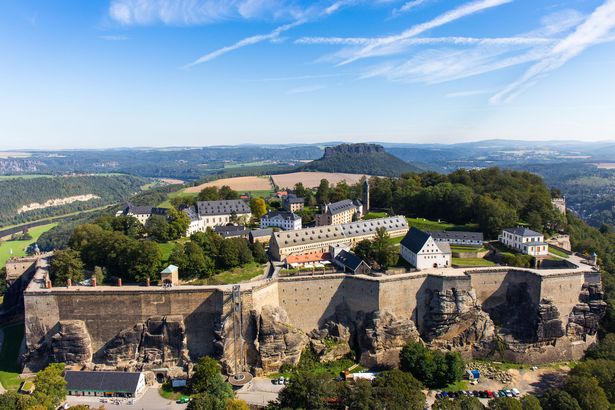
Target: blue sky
<point>119,73</point>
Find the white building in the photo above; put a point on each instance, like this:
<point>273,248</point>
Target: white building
<point>104,384</point>
<point>460,238</point>
<point>524,240</point>
<point>208,214</point>
<point>289,221</point>
<point>141,213</point>
<point>420,250</point>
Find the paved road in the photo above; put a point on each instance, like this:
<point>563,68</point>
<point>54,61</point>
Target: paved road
<point>259,392</point>
<point>151,400</point>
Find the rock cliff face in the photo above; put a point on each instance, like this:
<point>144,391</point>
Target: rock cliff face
<point>454,320</point>
<point>585,316</point>
<point>548,322</point>
<point>72,343</point>
<point>278,342</point>
<point>159,341</point>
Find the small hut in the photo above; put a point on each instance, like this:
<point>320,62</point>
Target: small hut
<point>170,276</point>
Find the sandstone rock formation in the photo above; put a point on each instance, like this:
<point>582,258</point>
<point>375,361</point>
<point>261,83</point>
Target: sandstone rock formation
<point>278,342</point>
<point>331,342</point>
<point>454,320</point>
<point>382,337</point>
<point>159,341</point>
<point>548,322</point>
<point>72,343</point>
<point>586,315</point>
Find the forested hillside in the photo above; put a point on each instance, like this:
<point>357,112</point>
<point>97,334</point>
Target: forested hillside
<point>96,190</point>
<point>360,159</point>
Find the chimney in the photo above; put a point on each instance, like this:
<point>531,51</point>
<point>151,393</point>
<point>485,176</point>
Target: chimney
<point>119,281</point>
<point>48,284</point>
<point>147,282</point>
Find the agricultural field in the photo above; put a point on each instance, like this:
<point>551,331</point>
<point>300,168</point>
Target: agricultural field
<point>605,165</point>
<point>18,247</point>
<point>239,184</point>
<point>312,179</point>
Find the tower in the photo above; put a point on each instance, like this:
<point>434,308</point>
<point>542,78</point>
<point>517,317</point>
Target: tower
<point>365,197</point>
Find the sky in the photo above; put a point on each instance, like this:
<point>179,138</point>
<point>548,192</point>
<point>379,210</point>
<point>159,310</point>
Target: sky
<point>128,73</point>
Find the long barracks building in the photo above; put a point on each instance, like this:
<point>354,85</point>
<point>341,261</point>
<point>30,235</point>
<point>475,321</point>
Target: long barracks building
<point>318,239</point>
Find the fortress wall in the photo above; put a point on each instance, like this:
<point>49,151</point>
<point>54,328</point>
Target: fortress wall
<point>491,285</point>
<point>41,314</point>
<point>309,301</point>
<point>265,295</point>
<point>108,312</point>
<point>563,290</point>
<point>401,295</point>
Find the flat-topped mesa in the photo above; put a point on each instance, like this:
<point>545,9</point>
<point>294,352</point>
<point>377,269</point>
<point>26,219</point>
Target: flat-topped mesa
<point>353,149</point>
<point>541,315</point>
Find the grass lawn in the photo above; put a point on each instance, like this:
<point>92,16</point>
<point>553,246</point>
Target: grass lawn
<point>166,249</point>
<point>235,275</point>
<point>470,262</point>
<point>374,215</point>
<point>557,252</point>
<point>168,392</point>
<point>466,249</point>
<point>457,386</point>
<point>428,225</point>
<point>9,370</point>
<point>32,176</point>
<point>18,247</point>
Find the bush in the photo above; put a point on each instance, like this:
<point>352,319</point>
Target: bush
<point>433,368</point>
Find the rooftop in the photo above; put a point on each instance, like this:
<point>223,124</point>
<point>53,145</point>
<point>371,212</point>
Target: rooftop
<point>522,231</point>
<point>340,206</point>
<point>123,382</point>
<point>225,207</point>
<point>415,239</point>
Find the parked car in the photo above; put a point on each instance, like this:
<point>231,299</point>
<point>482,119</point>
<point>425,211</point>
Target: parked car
<point>491,394</point>
<point>281,380</point>
<point>508,393</point>
<point>183,400</point>
<point>515,392</point>
<point>501,393</point>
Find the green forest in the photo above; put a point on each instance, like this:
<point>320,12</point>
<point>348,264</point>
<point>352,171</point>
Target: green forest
<point>17,192</point>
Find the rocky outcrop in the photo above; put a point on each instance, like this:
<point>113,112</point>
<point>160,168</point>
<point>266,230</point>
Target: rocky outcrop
<point>72,343</point>
<point>331,342</point>
<point>382,337</point>
<point>586,315</point>
<point>454,320</point>
<point>159,341</point>
<point>548,323</point>
<point>278,342</point>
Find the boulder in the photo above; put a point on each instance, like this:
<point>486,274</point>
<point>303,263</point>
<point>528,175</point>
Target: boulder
<point>279,343</point>
<point>72,344</point>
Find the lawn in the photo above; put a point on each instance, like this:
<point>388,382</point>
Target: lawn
<point>457,386</point>
<point>374,215</point>
<point>471,262</point>
<point>9,369</point>
<point>557,252</point>
<point>166,249</point>
<point>467,249</point>
<point>168,392</point>
<point>429,225</point>
<point>18,247</point>
<point>235,275</point>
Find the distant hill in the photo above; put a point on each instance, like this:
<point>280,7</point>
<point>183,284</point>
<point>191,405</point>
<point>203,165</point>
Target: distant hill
<point>360,159</point>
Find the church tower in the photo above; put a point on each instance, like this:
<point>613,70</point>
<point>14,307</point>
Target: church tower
<point>365,198</point>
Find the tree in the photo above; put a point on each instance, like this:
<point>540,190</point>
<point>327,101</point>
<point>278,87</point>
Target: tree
<point>603,370</point>
<point>529,402</point>
<point>50,385</point>
<point>555,399</point>
<point>306,390</point>
<point>300,190</point>
<point>433,368</point>
<point>258,207</point>
<point>209,193</point>
<point>504,403</point>
<point>323,192</point>
<point>144,257</point>
<point>359,395</point>
<point>227,193</point>
<point>157,227</point>
<point>99,274</point>
<point>236,404</point>
<point>178,223</point>
<point>191,260</point>
<point>383,251</point>
<point>493,215</point>
<point>13,401</point>
<point>65,265</point>
<point>398,390</point>
<point>587,392</point>
<point>128,225</point>
<point>258,252</point>
<point>206,378</point>
<point>603,350</point>
<point>206,401</point>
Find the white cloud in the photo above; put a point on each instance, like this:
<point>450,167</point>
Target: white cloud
<point>113,37</point>
<point>428,41</point>
<point>259,38</point>
<point>408,6</point>
<point>467,9</point>
<point>305,89</point>
<point>191,12</point>
<point>591,31</point>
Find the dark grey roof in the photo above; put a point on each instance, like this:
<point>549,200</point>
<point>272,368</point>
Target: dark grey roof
<point>192,213</point>
<point>293,199</point>
<point>349,260</point>
<point>223,207</point>
<point>285,215</point>
<point>257,233</point>
<point>522,231</point>
<point>231,230</point>
<point>415,239</point>
<point>124,382</point>
<point>456,235</point>
<point>340,206</point>
<point>138,209</point>
<point>160,211</point>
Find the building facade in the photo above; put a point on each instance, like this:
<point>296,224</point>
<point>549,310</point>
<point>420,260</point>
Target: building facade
<point>420,250</point>
<point>289,221</point>
<point>459,238</point>
<point>141,213</point>
<point>104,383</point>
<point>293,203</point>
<point>340,212</point>
<point>525,241</point>
<point>318,239</point>
<point>208,214</point>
